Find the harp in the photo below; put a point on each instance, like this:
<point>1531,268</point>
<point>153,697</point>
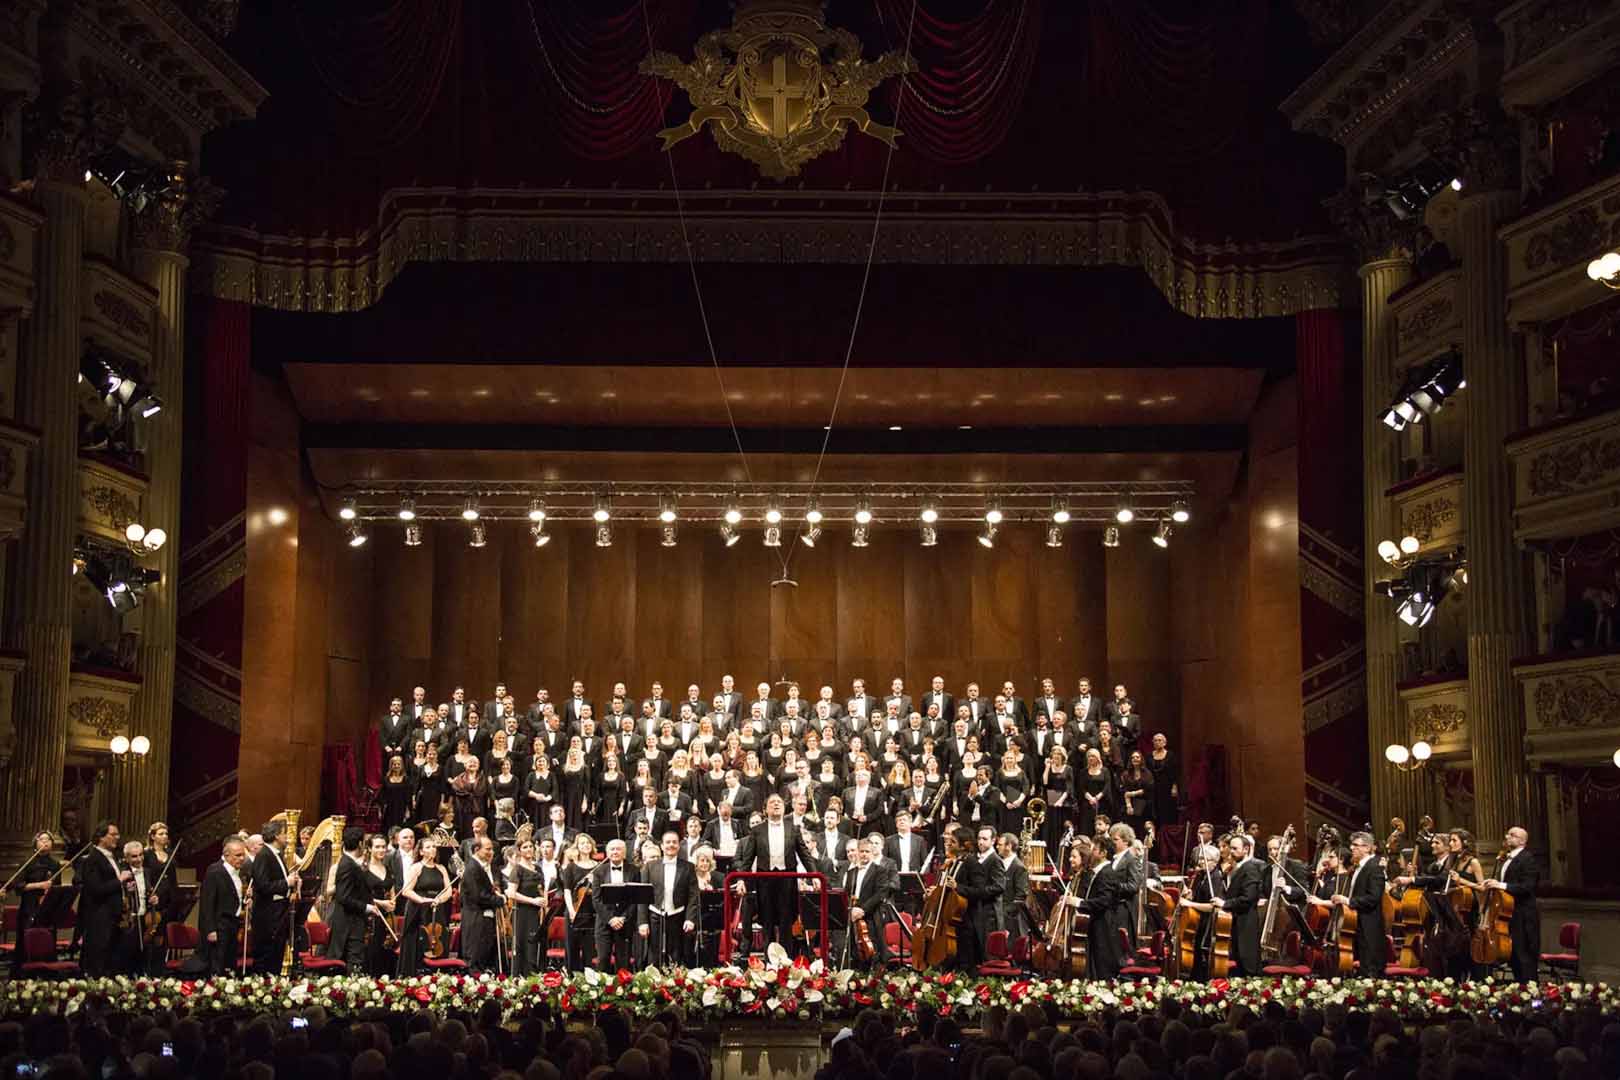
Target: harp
<point>318,860</point>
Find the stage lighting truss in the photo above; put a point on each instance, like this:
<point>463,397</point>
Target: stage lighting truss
<point>119,384</point>
<point>795,508</point>
<point>115,574</point>
<point>1419,592</point>
<point>1425,391</point>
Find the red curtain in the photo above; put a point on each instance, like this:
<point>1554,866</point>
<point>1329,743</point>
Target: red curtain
<point>972,74</point>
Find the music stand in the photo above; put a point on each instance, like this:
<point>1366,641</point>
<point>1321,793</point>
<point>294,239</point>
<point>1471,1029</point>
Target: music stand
<point>837,915</point>
<point>711,913</point>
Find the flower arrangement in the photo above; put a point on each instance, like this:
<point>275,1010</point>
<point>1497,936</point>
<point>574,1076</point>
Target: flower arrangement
<point>779,988</point>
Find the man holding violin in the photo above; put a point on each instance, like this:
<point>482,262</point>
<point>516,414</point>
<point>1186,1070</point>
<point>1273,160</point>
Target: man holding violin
<point>868,889</point>
<point>141,952</point>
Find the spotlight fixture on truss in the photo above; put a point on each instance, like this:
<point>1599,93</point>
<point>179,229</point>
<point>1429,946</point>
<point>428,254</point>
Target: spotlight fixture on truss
<point>987,538</point>
<point>541,537</point>
<point>1161,536</point>
<point>668,538</point>
<point>1054,536</point>
<point>930,536</point>
<point>478,537</point>
<point>604,535</point>
<point>413,535</point>
<point>773,536</point>
<point>861,536</point>
<point>809,537</point>
<point>729,533</point>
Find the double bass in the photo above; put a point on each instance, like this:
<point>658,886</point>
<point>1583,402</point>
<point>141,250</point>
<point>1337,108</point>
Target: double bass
<point>933,942</point>
<point>1492,941</point>
<point>1065,937</point>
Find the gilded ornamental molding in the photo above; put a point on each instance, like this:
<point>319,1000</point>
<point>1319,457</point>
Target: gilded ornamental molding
<point>1553,46</point>
<point>110,498</point>
<point>11,664</point>
<point>16,443</point>
<point>1428,319</point>
<point>118,312</point>
<point>98,707</point>
<point>1571,708</point>
<point>1547,253</point>
<point>1566,478</point>
<point>1432,511</point>
<point>1437,713</point>
<point>446,225</point>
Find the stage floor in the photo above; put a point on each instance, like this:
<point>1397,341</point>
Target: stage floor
<point>787,992</point>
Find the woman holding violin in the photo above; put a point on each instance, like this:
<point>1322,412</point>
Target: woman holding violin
<point>525,891</point>
<point>426,893</point>
<point>34,880</point>
<point>382,935</point>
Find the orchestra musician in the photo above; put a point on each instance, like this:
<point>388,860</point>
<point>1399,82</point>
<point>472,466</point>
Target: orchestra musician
<point>220,907</point>
<point>103,878</point>
<point>273,891</point>
<point>1365,896</point>
<point>351,903</point>
<point>1519,874</point>
<point>35,880</point>
<point>142,896</point>
<point>480,896</point>
<point>426,890</point>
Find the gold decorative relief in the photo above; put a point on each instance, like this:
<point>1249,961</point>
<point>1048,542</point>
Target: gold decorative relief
<point>1426,519</point>
<point>1431,721</point>
<point>1576,701</point>
<point>122,314</point>
<point>105,716</point>
<point>113,505</point>
<point>1573,466</point>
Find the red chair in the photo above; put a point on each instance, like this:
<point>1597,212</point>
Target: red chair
<point>557,942</point>
<point>39,956</point>
<point>448,962</point>
<point>320,936</point>
<point>999,955</point>
<point>1392,966</point>
<point>1142,966</point>
<point>8,932</point>
<point>1569,960</point>
<point>1292,961</point>
<point>179,941</point>
<point>898,952</point>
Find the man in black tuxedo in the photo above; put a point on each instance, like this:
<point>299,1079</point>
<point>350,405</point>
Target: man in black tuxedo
<point>395,732</point>
<point>135,954</point>
<point>456,715</point>
<point>662,707</point>
<point>726,831</point>
<point>495,709</point>
<point>1365,897</point>
<point>980,888</point>
<point>574,708</point>
<point>676,806</point>
<point>937,696</point>
<point>1085,710</point>
<point>613,918</point>
<point>772,845</point>
<point>1100,897</point>
<point>103,880</point>
<point>480,896</point>
<point>1017,705</point>
<point>1520,874</point>
<point>1048,703</point>
<point>868,886</point>
<point>651,811</point>
<point>905,853</point>
<point>419,705</point>
<point>273,891</point>
<point>351,904</point>
<point>898,698</point>
<point>728,701</point>
<point>670,918</point>
<point>219,907</point>
<point>1010,913</point>
<point>1245,888</point>
<point>860,707</point>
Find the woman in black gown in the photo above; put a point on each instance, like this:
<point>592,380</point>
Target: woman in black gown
<point>542,789</point>
<point>504,784</point>
<point>397,796</point>
<point>470,794</point>
<point>523,886</point>
<point>1094,789</point>
<point>574,788</point>
<point>1166,770</point>
<point>431,787</point>
<point>427,889</point>
<point>1136,793</point>
<point>1015,792</point>
<point>31,883</point>
<point>379,956</point>
<point>1057,787</point>
<point>612,793</point>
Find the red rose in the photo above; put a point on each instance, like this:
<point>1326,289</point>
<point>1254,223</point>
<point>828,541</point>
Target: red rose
<point>947,979</point>
<point>625,977</point>
<point>863,999</point>
<point>944,1010</point>
<point>422,995</point>
<point>552,979</point>
<point>187,987</point>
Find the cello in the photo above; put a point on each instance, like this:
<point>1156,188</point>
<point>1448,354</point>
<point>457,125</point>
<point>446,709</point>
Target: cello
<point>1339,937</point>
<point>1066,937</point>
<point>933,942</point>
<point>1492,940</point>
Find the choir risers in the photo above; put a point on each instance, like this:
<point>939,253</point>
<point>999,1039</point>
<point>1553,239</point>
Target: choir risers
<point>98,707</point>
<point>110,497</point>
<point>11,662</point>
<point>1431,509</point>
<point>1428,320</point>
<point>1547,254</point>
<point>1571,709</point>
<point>1553,47</point>
<point>1566,478</point>
<point>1437,713</point>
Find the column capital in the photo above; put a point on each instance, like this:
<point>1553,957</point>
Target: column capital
<point>166,220</point>
<point>1359,212</point>
<point>1481,142</point>
<point>67,128</point>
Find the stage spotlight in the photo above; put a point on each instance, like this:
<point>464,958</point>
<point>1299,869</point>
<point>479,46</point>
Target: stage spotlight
<point>478,538</point>
<point>930,511</point>
<point>930,536</point>
<point>773,513</point>
<point>601,513</point>
<point>357,536</point>
<point>1123,512</point>
<point>469,510</point>
<point>604,535</point>
<point>992,514</point>
<point>1111,536</point>
<point>347,511</point>
<point>537,510</point>
<point>812,513</point>
<point>863,512</point>
<point>988,537</point>
<point>407,509</point>
<point>729,533</point>
<point>1060,513</point>
<point>1179,512</point>
<point>1408,193</point>
<point>1054,536</point>
<point>666,511</point>
<point>733,512</point>
<point>413,535</point>
<point>809,537</point>
<point>773,536</point>
<point>541,537</point>
<point>668,538</point>
<point>1162,536</point>
<point>861,536</point>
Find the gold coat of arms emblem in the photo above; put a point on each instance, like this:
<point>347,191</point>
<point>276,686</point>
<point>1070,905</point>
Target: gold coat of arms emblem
<point>779,87</point>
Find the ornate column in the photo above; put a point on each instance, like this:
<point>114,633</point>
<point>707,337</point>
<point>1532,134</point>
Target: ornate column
<point>1386,250</point>
<point>67,128</point>
<point>162,232</point>
<point>1486,146</point>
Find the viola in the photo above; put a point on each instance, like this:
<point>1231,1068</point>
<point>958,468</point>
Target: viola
<point>437,939</point>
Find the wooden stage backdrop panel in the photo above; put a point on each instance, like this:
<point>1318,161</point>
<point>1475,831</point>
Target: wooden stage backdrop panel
<point>447,613</point>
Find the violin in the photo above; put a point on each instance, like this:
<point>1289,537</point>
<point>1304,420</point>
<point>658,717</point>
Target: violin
<point>152,927</point>
<point>864,949</point>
